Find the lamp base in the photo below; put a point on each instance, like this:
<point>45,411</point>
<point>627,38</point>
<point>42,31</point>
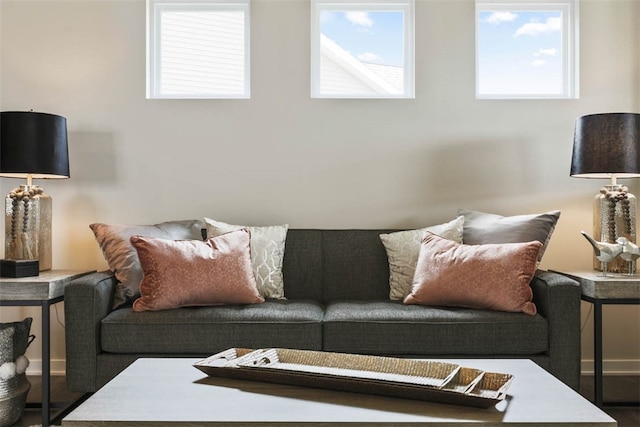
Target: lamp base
<point>28,225</point>
<point>614,215</point>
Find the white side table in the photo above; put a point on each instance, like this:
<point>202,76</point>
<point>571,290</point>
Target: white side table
<point>616,288</point>
<point>41,291</point>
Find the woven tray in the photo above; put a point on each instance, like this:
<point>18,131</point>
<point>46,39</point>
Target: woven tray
<point>406,378</point>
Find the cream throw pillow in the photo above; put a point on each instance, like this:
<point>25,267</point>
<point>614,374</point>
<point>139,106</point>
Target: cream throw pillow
<point>267,254</point>
<point>403,249</point>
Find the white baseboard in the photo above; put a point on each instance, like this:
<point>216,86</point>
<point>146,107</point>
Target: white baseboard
<point>613,367</point>
<point>609,367</point>
<point>58,367</point>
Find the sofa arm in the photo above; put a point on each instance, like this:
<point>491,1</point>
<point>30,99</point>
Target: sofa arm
<point>557,298</point>
<point>88,300</point>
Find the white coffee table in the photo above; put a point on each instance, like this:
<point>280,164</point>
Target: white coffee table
<point>161,391</point>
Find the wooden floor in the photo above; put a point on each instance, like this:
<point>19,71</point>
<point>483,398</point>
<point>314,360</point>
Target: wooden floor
<point>618,388</point>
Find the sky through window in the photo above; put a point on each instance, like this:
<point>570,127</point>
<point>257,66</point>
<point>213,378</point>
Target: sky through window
<point>527,49</point>
<point>372,37</point>
<point>520,52</point>
<point>362,49</point>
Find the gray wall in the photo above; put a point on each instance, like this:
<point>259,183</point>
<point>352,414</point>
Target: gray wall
<point>282,157</point>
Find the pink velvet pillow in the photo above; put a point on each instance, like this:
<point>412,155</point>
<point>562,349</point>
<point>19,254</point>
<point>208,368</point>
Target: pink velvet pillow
<point>491,276</point>
<point>179,273</point>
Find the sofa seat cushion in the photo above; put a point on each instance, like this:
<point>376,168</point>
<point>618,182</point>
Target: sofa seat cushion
<point>207,330</point>
<point>391,328</point>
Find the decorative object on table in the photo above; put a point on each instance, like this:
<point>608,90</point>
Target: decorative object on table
<point>605,252</point>
<point>19,268</point>
<point>14,385</point>
<point>32,145</point>
<point>607,146</point>
<point>427,380</point>
<point>630,253</point>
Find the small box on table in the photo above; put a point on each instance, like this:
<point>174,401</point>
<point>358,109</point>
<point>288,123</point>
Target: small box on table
<point>19,268</point>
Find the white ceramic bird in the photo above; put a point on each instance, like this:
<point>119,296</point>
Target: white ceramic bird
<point>605,252</point>
<point>630,252</point>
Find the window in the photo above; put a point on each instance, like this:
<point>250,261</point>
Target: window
<point>362,49</point>
<point>198,49</point>
<point>526,49</point>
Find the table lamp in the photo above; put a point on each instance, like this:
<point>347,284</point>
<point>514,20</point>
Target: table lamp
<point>32,145</point>
<point>607,146</point>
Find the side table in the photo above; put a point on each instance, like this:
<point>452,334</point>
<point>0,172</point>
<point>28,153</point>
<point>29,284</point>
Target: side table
<point>615,288</point>
<point>42,291</point>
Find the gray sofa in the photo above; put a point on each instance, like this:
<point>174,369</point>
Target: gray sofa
<point>337,289</point>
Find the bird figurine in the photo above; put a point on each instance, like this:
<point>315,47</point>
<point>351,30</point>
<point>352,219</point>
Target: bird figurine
<point>630,253</point>
<point>605,252</point>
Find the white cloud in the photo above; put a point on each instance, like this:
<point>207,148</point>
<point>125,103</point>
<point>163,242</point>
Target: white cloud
<point>546,52</point>
<point>538,63</point>
<point>498,17</point>
<point>536,28</point>
<point>369,57</point>
<point>359,18</point>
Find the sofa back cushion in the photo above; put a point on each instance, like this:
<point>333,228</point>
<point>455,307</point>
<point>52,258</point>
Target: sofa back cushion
<point>302,264</point>
<point>355,265</point>
<point>331,265</point>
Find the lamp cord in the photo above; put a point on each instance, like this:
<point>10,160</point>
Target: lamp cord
<point>58,317</point>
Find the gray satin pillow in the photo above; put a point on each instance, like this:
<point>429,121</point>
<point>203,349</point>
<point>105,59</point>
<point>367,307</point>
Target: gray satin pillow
<point>115,242</point>
<point>482,228</point>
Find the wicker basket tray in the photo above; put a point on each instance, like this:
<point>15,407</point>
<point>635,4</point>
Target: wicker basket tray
<point>406,378</point>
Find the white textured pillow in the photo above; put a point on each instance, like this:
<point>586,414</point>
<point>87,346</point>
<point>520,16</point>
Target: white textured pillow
<point>403,250</point>
<point>267,253</point>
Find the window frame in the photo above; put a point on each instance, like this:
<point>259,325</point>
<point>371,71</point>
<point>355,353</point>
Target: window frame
<point>569,44</point>
<point>405,6</point>
<point>155,8</point>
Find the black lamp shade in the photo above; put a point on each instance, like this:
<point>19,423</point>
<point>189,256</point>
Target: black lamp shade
<point>33,144</point>
<point>605,145</point>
